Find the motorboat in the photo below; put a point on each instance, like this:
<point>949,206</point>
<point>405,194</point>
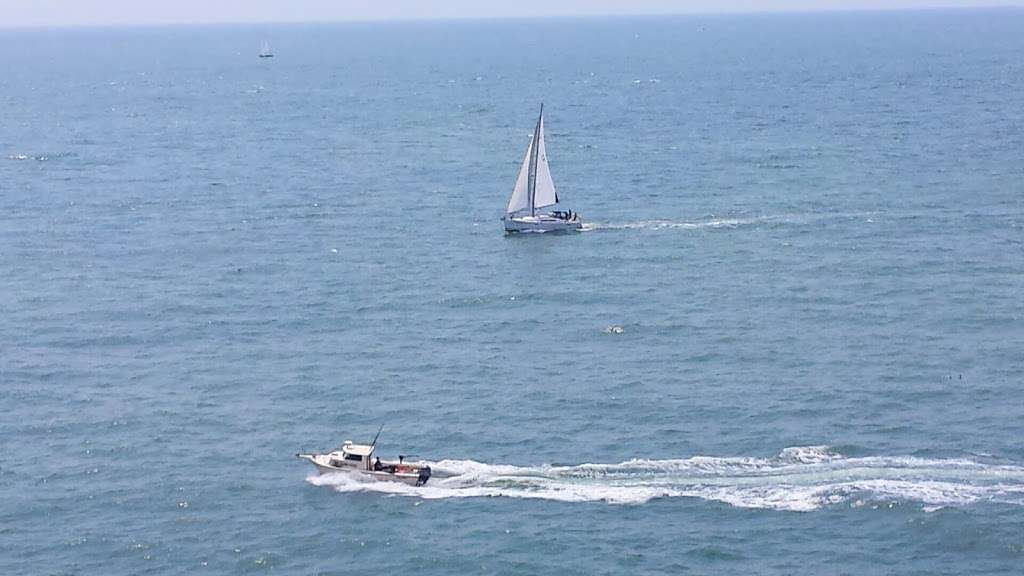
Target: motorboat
<point>535,190</point>
<point>359,460</point>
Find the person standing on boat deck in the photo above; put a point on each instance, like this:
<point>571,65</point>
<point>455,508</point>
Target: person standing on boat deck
<point>377,466</point>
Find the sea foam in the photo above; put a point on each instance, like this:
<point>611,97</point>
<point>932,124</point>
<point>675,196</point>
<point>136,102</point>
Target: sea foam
<point>798,479</point>
<point>712,223</point>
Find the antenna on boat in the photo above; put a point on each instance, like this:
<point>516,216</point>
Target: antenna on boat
<point>374,443</point>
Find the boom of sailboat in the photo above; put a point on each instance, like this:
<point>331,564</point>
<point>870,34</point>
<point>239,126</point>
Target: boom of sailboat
<point>535,190</point>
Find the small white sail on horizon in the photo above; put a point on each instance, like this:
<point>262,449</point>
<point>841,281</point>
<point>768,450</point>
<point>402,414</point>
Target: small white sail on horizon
<point>265,50</point>
<point>535,189</point>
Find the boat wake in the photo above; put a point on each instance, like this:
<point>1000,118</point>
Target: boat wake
<point>669,225</point>
<point>798,479</point>
<point>727,223</point>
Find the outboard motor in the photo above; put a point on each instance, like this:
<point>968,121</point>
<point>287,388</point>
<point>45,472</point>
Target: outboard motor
<point>424,476</point>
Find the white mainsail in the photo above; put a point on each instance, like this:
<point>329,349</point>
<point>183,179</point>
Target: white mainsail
<point>544,190</point>
<point>265,49</point>
<point>535,190</point>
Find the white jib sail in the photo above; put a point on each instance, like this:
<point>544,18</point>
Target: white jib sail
<point>520,199</point>
<point>544,192</point>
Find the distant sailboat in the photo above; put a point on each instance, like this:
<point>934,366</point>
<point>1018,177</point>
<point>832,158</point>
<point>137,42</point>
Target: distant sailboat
<point>265,50</point>
<point>534,190</point>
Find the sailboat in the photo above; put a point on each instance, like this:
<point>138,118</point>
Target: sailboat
<point>265,50</point>
<point>535,190</point>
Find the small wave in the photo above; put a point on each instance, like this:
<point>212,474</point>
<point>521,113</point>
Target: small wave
<point>37,158</point>
<point>22,157</point>
<point>799,479</point>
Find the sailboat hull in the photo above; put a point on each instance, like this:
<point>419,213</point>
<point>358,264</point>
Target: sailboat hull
<point>541,223</point>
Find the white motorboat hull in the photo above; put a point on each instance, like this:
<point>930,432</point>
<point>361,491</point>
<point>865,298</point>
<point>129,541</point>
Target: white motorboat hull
<point>541,223</point>
<point>413,477</point>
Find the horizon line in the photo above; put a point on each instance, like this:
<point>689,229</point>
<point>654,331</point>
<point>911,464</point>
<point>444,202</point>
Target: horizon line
<point>414,19</point>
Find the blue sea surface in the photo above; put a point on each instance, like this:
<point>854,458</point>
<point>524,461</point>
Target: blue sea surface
<point>809,228</point>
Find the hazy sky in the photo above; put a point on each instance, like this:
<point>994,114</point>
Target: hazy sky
<point>89,12</point>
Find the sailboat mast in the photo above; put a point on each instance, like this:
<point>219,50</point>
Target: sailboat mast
<point>534,155</point>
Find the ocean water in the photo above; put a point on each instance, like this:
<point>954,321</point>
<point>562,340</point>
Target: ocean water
<point>810,229</point>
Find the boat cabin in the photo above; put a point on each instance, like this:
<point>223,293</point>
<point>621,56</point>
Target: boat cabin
<point>354,456</point>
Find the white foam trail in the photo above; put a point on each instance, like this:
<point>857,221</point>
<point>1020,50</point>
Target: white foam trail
<point>713,223</point>
<point>798,479</point>
<point>668,224</point>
